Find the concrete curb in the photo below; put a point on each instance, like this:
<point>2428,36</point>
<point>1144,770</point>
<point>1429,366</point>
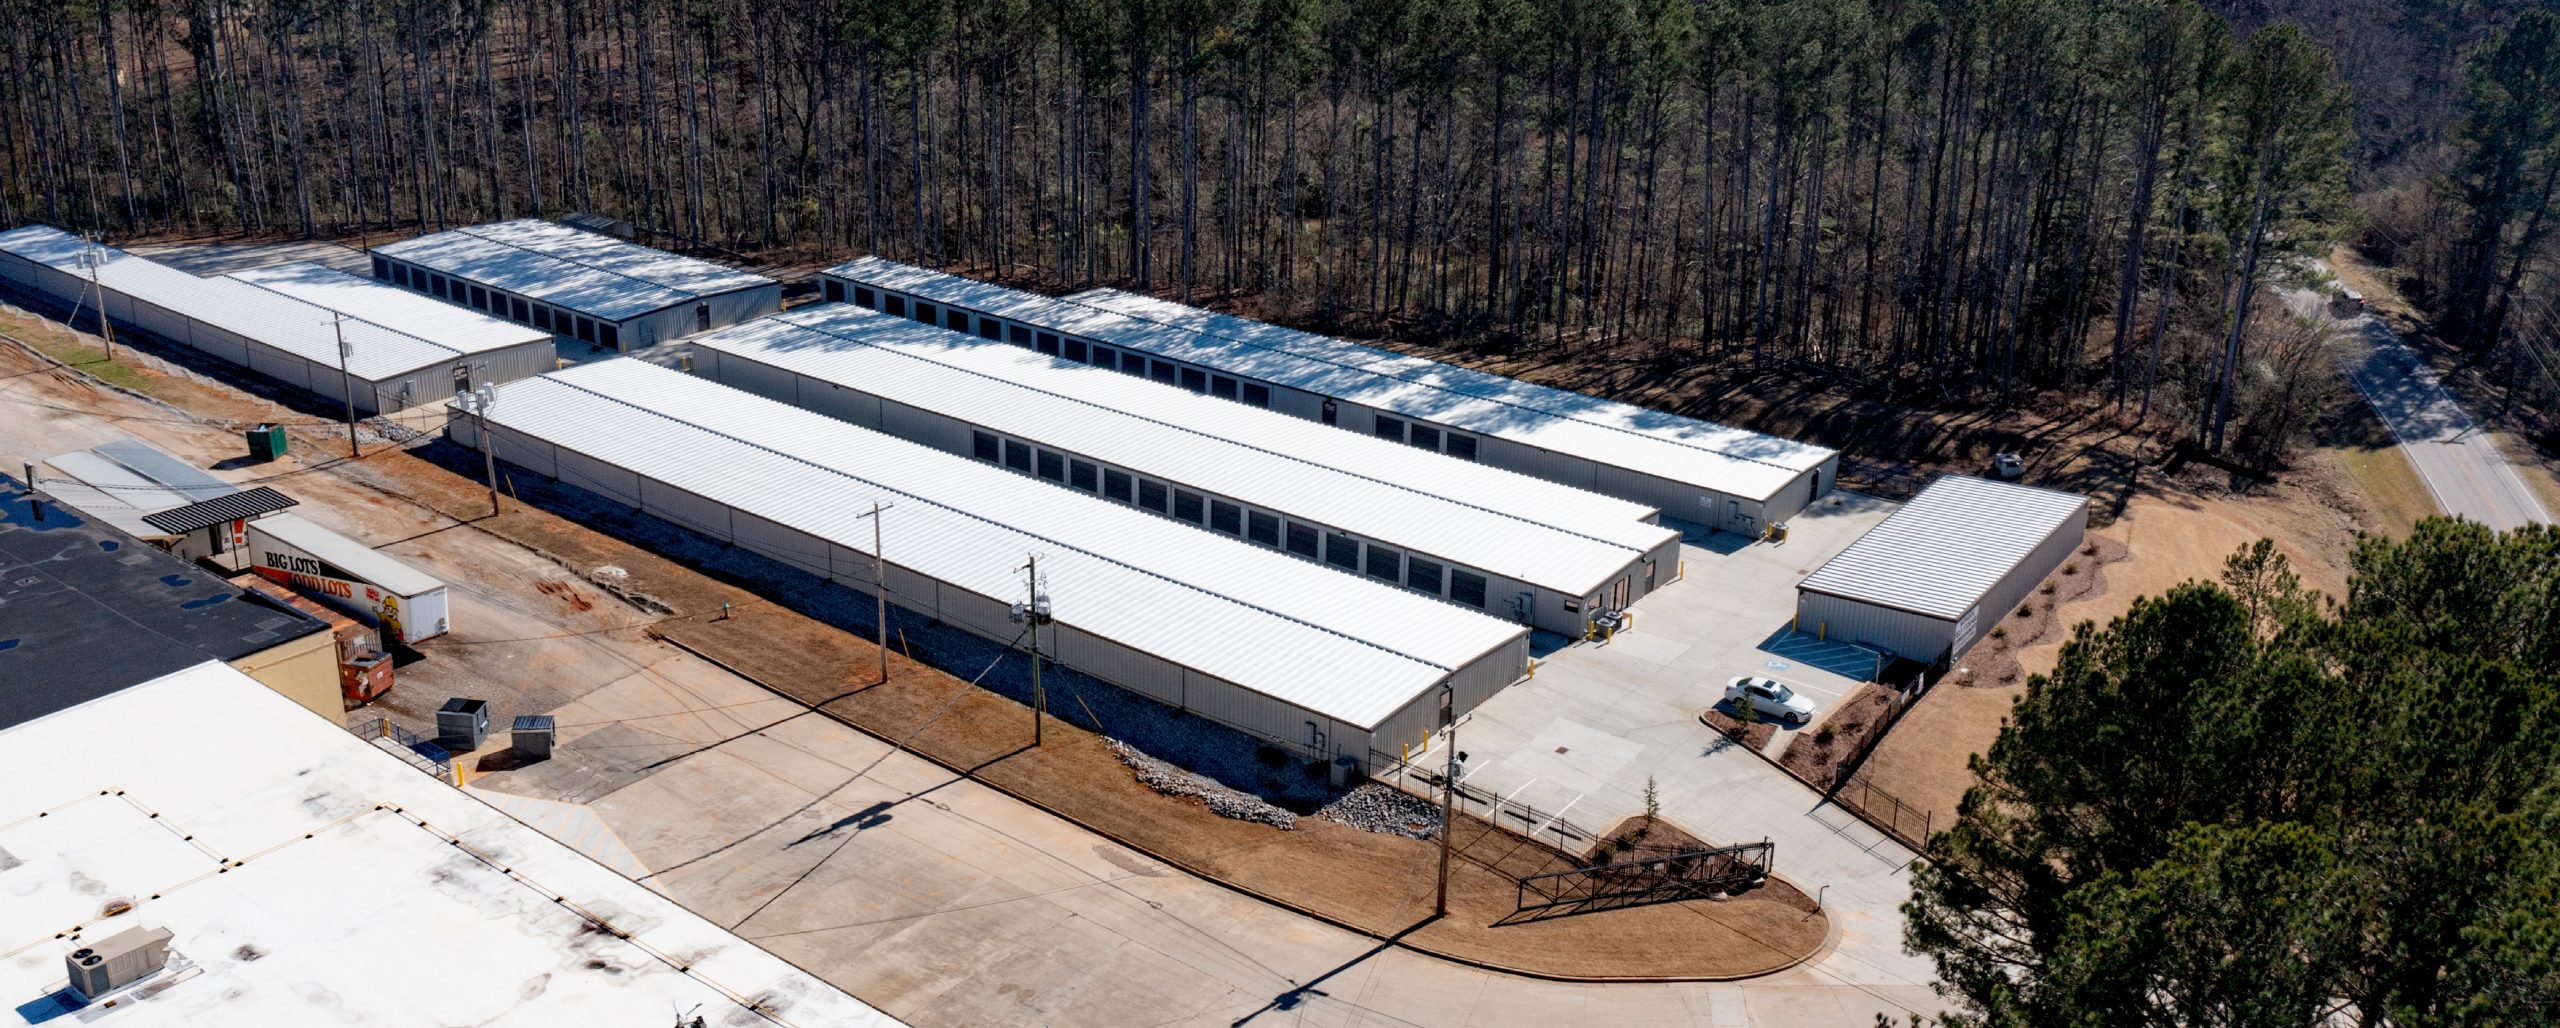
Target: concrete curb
<point>1831,932</point>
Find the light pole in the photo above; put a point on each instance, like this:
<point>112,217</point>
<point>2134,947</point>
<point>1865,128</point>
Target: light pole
<point>1034,614</point>
<point>477,402</point>
<point>94,257</point>
<point>1448,797</point>
<point>346,382</point>
<point>880,587</point>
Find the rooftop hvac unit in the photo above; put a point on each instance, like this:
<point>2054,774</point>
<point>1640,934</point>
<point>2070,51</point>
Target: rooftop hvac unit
<point>118,960</point>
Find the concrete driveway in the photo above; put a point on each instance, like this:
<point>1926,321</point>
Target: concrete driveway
<point>939,900</point>
<point>1581,738</point>
<point>2460,464</point>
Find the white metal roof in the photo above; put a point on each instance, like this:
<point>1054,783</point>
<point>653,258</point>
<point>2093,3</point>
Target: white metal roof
<point>363,561</point>
<point>1943,550</point>
<point>350,902</point>
<point>1165,432</point>
<point>1305,634</point>
<point>592,274</point>
<point>1757,467</point>
<point>119,482</point>
<point>445,324</point>
<point>295,326</point>
<point>1511,392</point>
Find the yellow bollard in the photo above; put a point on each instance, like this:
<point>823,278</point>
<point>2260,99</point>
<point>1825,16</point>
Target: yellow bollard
<point>1533,667</point>
<point>1826,630</point>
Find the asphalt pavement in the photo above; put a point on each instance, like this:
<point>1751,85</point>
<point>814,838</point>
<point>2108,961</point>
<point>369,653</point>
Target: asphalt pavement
<point>2460,464</point>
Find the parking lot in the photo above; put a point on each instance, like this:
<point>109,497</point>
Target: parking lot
<point>949,903</point>
<point>1582,737</point>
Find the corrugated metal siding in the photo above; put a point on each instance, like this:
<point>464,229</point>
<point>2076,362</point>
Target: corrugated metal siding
<point>1529,396</point>
<point>942,382</point>
<point>1293,631</point>
<point>271,332</point>
<point>596,275</point>
<point>2013,589</point>
<point>1900,632</point>
<point>1943,551</point>
<point>1352,383</point>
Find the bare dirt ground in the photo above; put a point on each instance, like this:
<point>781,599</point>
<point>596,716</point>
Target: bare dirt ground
<point>2160,542</point>
<point>1375,883</point>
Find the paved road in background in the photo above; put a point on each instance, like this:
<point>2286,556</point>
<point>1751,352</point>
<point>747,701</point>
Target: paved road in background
<point>2458,461</point>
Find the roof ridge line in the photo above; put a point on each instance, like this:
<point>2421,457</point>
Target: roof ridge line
<point>1070,547</point>
<point>1192,431</point>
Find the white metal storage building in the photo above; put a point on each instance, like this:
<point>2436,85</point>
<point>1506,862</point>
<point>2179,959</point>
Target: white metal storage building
<point>1707,474</point>
<point>1536,555</point>
<point>577,284</point>
<point>278,321</point>
<point>1307,658</point>
<point>1930,579</point>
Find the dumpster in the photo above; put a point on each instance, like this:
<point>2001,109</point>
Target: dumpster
<point>533,736</point>
<point>461,724</point>
<point>266,441</point>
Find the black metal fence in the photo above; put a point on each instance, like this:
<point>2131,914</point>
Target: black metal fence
<point>1912,825</point>
<point>1659,878</point>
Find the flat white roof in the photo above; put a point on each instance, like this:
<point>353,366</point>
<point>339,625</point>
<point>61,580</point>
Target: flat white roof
<point>1269,460</point>
<point>293,325</point>
<point>1707,456</point>
<point>1310,636</point>
<point>310,878</point>
<point>359,560</point>
<point>587,272</point>
<point>428,318</point>
<point>1943,550</point>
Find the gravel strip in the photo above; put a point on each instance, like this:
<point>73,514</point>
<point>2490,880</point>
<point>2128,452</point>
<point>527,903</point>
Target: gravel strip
<point>1225,802</point>
<point>1377,808</point>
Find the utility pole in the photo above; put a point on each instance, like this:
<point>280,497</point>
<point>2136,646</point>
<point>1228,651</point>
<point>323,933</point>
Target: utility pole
<point>93,257</point>
<point>880,588</point>
<point>346,382</point>
<point>1034,614</point>
<point>1448,796</point>
<point>477,403</point>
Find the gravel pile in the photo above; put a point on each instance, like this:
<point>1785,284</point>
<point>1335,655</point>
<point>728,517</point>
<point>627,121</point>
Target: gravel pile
<point>1377,808</point>
<point>1225,802</point>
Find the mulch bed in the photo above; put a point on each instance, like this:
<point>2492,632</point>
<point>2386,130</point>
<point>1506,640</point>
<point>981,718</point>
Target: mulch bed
<point>1816,756</point>
<point>1993,663</point>
<point>1755,735</point>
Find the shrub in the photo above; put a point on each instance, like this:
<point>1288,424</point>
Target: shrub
<point>2090,550</point>
<point>2026,611</point>
<point>2000,632</point>
<point>2071,569</point>
<point>1825,734</point>
<point>2047,590</point>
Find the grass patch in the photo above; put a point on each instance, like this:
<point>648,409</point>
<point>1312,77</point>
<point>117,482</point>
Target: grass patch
<point>82,351</point>
<point>2386,478</point>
